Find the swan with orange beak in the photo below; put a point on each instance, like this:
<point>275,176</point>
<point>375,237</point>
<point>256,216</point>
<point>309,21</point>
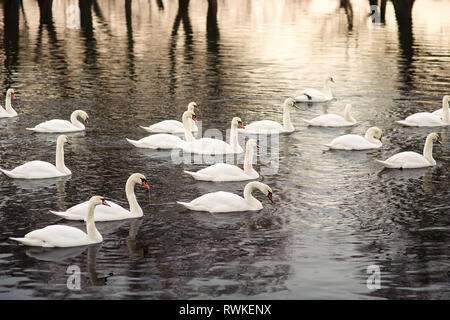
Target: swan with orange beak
<point>115,211</point>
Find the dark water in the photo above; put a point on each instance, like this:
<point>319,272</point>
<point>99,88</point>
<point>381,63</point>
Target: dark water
<point>139,62</point>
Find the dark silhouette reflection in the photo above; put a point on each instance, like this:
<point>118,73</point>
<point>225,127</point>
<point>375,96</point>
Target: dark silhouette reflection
<point>11,36</point>
<point>87,30</point>
<point>92,266</point>
<point>160,4</point>
<point>130,41</point>
<point>58,58</point>
<point>377,11</point>
<point>403,11</point>
<point>213,49</point>
<point>347,6</point>
<point>182,16</point>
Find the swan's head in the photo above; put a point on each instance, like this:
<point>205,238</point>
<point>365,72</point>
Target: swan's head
<point>267,191</point>
<point>252,143</point>
<point>434,137</point>
<point>237,122</point>
<point>445,99</point>
<point>82,114</point>
<point>190,114</point>
<point>290,102</point>
<point>376,132</point>
<point>10,93</point>
<point>193,107</point>
<point>141,179</point>
<point>329,79</point>
<point>63,139</point>
<point>98,200</point>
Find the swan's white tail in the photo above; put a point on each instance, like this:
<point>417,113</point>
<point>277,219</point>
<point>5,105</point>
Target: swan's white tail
<point>387,164</point>
<point>308,121</point>
<point>133,142</point>
<point>403,122</point>
<point>67,216</point>
<point>8,173</point>
<point>27,241</point>
<point>185,204</point>
<point>146,129</point>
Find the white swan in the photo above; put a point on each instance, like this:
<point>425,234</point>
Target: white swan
<point>8,112</point>
<point>273,127</point>
<point>371,140</point>
<point>222,201</point>
<point>229,172</point>
<point>215,146</point>
<point>445,102</point>
<point>165,140</point>
<point>313,95</point>
<point>58,126</point>
<point>409,159</point>
<point>174,126</point>
<point>41,169</point>
<point>66,236</point>
<point>114,211</point>
<point>426,119</point>
<point>333,120</point>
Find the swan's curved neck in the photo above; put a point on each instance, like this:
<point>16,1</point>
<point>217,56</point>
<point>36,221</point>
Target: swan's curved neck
<point>187,129</point>
<point>74,119</point>
<point>428,151</point>
<point>287,124</point>
<point>92,232</point>
<point>445,110</point>
<point>135,208</point>
<point>234,137</point>
<point>8,106</point>
<point>248,160</point>
<point>347,115</point>
<point>369,136</point>
<point>248,196</point>
<point>60,166</point>
<point>327,89</point>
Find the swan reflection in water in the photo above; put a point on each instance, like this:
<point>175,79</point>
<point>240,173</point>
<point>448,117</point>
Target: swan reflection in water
<point>61,254</point>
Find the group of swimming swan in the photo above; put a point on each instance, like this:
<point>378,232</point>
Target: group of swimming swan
<point>97,209</point>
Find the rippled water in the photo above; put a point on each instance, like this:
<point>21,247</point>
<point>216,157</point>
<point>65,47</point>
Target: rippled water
<point>335,213</point>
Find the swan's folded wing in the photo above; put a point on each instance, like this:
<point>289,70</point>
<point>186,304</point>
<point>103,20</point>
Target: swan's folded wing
<point>55,125</point>
<point>218,172</point>
<point>350,142</point>
<point>58,236</point>
<point>159,141</point>
<point>422,119</point>
<point>35,170</point>
<point>407,159</point>
<point>328,120</point>
<point>220,201</point>
<point>101,213</point>
<point>263,126</point>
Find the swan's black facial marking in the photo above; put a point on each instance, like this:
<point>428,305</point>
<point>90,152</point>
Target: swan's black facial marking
<point>269,195</point>
<point>104,202</point>
<point>145,183</point>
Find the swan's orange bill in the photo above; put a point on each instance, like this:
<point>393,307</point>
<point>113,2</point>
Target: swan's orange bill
<point>68,141</point>
<point>241,125</point>
<point>105,203</point>
<point>13,96</point>
<point>439,141</point>
<point>145,184</point>
<point>194,117</point>
<point>270,197</point>
<point>86,120</point>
